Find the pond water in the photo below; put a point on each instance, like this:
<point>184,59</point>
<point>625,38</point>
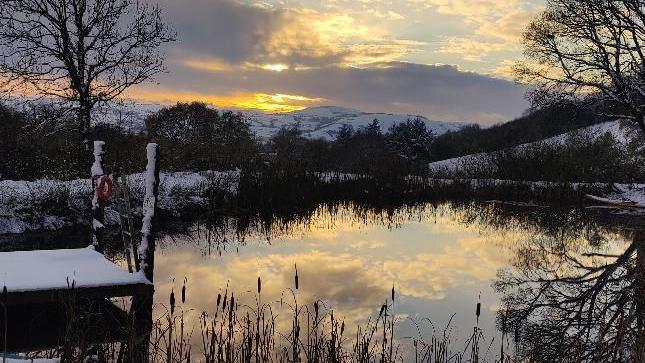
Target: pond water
<point>441,258</point>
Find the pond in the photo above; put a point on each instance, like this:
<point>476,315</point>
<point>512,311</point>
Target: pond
<point>442,259</point>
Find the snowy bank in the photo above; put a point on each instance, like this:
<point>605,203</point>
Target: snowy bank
<point>54,204</point>
<point>622,133</point>
<point>19,359</point>
<point>623,195</point>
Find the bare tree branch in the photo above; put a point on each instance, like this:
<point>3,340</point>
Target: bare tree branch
<point>84,52</point>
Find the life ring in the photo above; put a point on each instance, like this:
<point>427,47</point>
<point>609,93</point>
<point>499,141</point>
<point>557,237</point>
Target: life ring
<point>104,188</point>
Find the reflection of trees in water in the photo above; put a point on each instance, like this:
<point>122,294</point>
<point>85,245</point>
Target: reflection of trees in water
<point>576,290</point>
<point>221,232</point>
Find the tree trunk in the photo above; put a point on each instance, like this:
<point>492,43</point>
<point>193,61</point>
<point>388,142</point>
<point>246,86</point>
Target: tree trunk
<point>84,121</point>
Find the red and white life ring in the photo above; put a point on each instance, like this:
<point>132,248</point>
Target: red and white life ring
<point>104,188</point>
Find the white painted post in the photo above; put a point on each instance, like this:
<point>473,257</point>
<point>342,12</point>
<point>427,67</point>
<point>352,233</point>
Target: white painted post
<point>142,305</point>
<point>148,228</point>
<point>98,212</point>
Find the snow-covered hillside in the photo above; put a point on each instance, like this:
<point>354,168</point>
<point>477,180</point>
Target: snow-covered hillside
<point>316,122</point>
<point>617,129</point>
<point>324,122</point>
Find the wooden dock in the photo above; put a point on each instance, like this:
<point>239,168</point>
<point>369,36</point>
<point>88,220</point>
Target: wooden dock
<point>45,276</point>
<point>42,291</point>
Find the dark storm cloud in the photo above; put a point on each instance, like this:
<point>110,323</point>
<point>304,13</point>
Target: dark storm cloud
<point>221,28</point>
<point>436,91</point>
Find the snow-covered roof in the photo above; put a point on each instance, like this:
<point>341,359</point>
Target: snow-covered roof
<point>27,271</point>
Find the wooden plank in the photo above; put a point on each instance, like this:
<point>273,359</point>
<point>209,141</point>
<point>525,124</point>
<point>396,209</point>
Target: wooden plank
<point>61,295</point>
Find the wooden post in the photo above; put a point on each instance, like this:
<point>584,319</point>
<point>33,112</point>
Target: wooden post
<point>98,211</point>
<point>142,305</point>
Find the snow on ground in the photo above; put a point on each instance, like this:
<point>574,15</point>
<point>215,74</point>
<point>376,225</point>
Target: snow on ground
<point>48,204</point>
<point>18,359</point>
<point>58,269</point>
<point>484,161</point>
<point>626,193</point>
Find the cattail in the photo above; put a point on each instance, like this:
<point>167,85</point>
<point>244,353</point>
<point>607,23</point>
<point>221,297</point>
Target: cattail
<point>183,294</point>
<point>219,299</point>
<point>392,291</point>
<point>172,301</point>
<point>4,289</point>
<point>478,310</point>
<point>342,328</point>
<point>259,284</point>
<point>382,309</point>
<point>296,267</point>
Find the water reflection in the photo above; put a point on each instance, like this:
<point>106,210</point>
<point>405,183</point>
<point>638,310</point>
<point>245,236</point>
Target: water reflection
<point>441,259</point>
<point>555,284</point>
<point>578,298</point>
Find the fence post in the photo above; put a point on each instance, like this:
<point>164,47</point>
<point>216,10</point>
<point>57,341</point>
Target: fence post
<point>98,210</point>
<point>148,228</point>
<point>146,255</point>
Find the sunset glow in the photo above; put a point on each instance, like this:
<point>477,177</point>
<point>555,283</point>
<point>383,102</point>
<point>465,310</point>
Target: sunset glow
<point>252,101</point>
<point>369,55</point>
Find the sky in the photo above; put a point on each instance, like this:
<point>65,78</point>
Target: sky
<point>447,60</point>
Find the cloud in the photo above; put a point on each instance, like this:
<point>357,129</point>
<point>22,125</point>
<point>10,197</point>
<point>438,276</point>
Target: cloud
<point>237,34</point>
<point>441,92</point>
<point>497,25</point>
<point>276,58</point>
<point>509,26</point>
<point>471,50</point>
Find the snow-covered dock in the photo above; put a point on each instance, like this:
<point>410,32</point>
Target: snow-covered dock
<point>49,275</point>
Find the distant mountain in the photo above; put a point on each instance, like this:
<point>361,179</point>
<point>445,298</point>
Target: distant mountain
<point>324,122</point>
<point>315,122</point>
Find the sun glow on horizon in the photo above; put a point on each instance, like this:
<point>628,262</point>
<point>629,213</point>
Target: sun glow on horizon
<point>277,102</point>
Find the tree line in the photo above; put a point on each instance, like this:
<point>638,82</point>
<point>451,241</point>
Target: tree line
<point>194,136</point>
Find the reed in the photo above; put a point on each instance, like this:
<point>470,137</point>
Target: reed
<point>247,333</point>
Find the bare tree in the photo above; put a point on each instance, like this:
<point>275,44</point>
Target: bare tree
<point>589,50</point>
<point>84,52</point>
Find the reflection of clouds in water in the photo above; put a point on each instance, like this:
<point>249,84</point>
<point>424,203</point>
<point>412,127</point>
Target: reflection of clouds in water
<point>352,267</point>
<point>342,279</point>
<point>470,261</point>
<point>438,265</point>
